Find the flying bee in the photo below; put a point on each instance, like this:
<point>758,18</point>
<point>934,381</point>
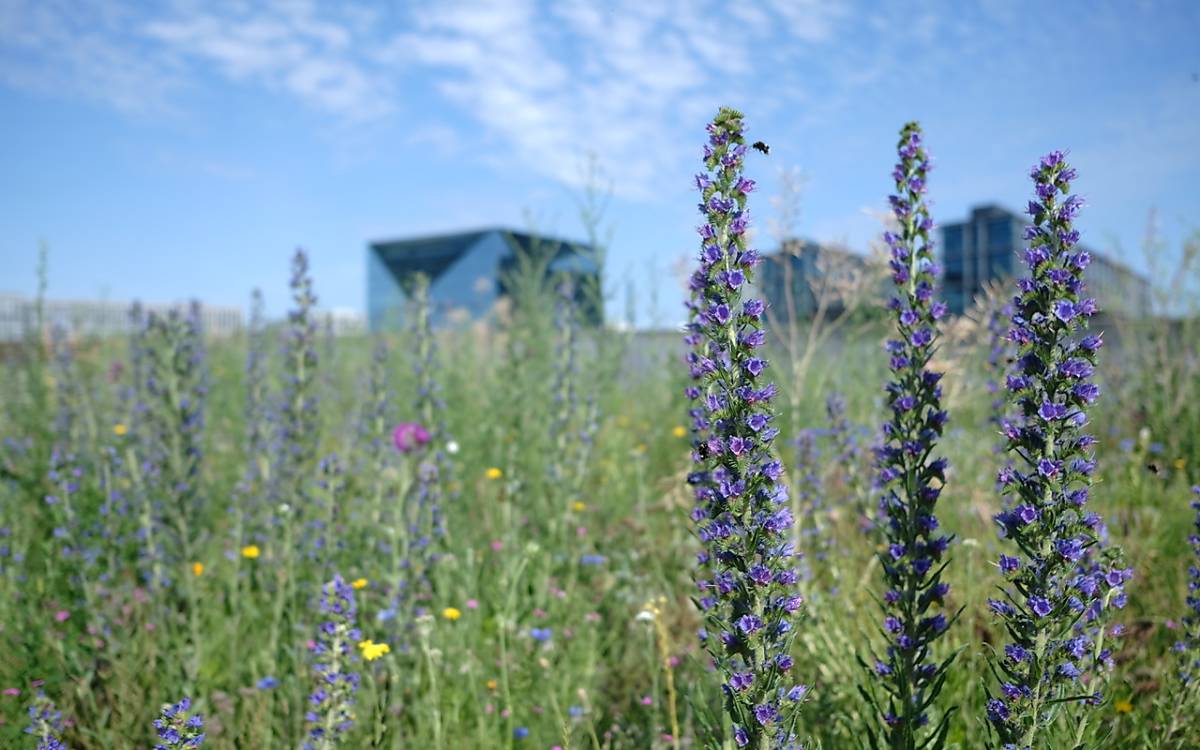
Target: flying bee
<point>702,450</point>
<point>1154,468</point>
<point>760,146</point>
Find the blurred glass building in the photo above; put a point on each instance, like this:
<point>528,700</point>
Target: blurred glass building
<point>987,248</point>
<point>471,272</point>
<point>804,278</point>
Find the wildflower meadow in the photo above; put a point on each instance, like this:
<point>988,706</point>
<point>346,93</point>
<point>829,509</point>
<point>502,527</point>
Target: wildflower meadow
<point>882,527</point>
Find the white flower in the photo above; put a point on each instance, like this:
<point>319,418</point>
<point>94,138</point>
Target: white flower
<point>452,447</point>
<point>645,616</point>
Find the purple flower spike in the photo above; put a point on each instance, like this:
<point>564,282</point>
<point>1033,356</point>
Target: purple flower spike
<point>747,573</point>
<point>1062,575</point>
<point>910,473</point>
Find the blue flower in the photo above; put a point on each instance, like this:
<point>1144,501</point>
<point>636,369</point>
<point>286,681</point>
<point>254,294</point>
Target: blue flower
<point>747,572</point>
<point>1066,576</point>
<point>910,474</point>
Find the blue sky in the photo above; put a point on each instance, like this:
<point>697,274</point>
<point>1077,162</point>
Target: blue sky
<point>183,149</point>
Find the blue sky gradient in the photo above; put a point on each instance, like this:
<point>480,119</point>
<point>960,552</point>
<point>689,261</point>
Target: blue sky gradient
<point>183,149</point>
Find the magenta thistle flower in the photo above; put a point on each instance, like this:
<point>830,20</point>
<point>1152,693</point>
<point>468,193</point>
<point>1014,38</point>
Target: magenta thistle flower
<point>408,436</point>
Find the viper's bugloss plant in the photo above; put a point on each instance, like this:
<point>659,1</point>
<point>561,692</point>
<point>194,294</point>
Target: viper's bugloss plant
<point>750,599</point>
<point>45,723</point>
<point>848,455</point>
<point>1188,646</point>
<point>330,714</point>
<point>999,347</point>
<point>297,436</point>
<point>435,473</point>
<point>1060,584</point>
<point>910,480</point>
<point>813,522</point>
<point>178,728</point>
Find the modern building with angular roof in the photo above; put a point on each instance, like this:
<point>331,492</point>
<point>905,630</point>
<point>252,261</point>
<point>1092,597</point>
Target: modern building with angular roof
<point>470,272</point>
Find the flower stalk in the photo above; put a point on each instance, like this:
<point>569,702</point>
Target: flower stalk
<point>911,478</point>
<point>749,600</point>
<point>1061,582</point>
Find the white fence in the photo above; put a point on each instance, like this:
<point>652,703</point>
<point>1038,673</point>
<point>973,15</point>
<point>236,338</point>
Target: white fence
<point>100,318</point>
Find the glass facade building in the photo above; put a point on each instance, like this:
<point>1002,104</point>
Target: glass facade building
<point>986,248</point>
<point>469,273</point>
<point>795,277</point>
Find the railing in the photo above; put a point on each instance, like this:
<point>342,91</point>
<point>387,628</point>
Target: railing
<point>101,318</point>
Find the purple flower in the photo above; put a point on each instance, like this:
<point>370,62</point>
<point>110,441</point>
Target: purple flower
<point>739,491</point>
<point>910,474</point>
<point>335,678</point>
<point>178,728</point>
<point>408,436</point>
<point>1051,464</point>
<point>1040,606</point>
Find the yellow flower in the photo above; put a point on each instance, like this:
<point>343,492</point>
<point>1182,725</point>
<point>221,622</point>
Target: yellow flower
<point>120,429</point>
<point>493,473</point>
<point>1180,463</point>
<point>1123,706</point>
<point>197,569</point>
<point>491,684</point>
<point>359,583</point>
<point>679,431</point>
<point>251,552</point>
<point>372,651</point>
<point>579,506</point>
<point>451,614</point>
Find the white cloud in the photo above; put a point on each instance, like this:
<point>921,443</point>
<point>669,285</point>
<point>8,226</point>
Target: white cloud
<point>75,50</point>
<point>286,46</point>
<point>549,81</point>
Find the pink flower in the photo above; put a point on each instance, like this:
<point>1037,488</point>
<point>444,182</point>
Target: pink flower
<point>12,691</point>
<point>497,545</point>
<point>505,713</point>
<point>408,436</point>
<point>539,612</point>
<point>581,531</point>
<point>647,700</point>
<point>62,615</point>
<point>472,604</point>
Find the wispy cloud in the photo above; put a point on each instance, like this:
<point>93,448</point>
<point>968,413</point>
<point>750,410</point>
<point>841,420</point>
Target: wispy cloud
<point>619,80</point>
<point>80,50</point>
<point>550,81</point>
<point>286,46</point>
